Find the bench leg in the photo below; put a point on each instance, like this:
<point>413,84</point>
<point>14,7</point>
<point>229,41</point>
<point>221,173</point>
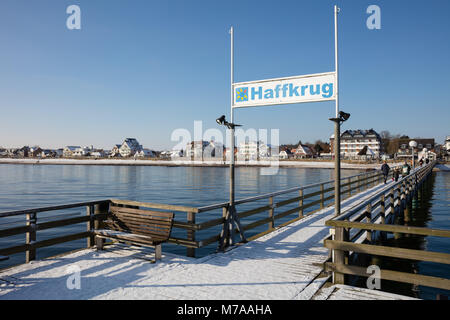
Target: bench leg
<point>158,252</point>
<point>99,243</point>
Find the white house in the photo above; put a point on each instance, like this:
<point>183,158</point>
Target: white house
<point>196,149</point>
<point>285,154</point>
<point>115,151</point>
<point>253,150</point>
<point>447,144</point>
<point>303,151</point>
<point>144,153</point>
<point>353,141</point>
<point>129,147</point>
<point>69,151</point>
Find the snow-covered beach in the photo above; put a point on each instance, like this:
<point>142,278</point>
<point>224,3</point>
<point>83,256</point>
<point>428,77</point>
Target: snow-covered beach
<point>133,162</point>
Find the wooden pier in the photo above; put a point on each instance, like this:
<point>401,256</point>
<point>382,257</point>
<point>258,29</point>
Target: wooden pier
<point>288,261</point>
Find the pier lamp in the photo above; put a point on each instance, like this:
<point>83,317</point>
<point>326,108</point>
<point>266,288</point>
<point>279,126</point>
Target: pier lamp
<point>223,122</point>
<point>413,144</point>
<point>231,216</point>
<point>342,117</point>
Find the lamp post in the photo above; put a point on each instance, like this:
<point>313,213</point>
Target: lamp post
<point>413,144</point>
<point>343,116</point>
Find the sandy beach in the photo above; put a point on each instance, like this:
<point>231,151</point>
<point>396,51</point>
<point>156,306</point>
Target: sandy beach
<point>133,162</point>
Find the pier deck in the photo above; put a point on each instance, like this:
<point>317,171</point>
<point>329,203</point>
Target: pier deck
<point>285,264</point>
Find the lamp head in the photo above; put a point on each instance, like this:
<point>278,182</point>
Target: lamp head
<point>344,116</point>
<point>221,120</point>
<point>413,144</point>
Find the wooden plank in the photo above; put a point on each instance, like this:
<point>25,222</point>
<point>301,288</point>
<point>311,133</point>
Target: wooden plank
<point>271,211</point>
<point>14,231</point>
<point>43,243</point>
<point>339,256</point>
<point>144,213</point>
<point>210,223</point>
<point>256,224</point>
<point>184,242</point>
<point>390,228</point>
<point>15,249</point>
<point>58,240</point>
<point>190,252</point>
<point>251,212</point>
<point>210,240</point>
<point>61,223</point>
<point>51,208</point>
<point>417,279</point>
<point>137,224</point>
<point>30,254</point>
<point>155,205</point>
<point>129,237</point>
<point>185,225</point>
<point>393,252</point>
<point>142,220</point>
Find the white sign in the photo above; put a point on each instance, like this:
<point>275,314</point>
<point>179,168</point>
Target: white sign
<point>299,89</point>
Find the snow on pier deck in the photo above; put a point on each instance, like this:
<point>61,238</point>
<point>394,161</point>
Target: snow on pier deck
<point>284,265</point>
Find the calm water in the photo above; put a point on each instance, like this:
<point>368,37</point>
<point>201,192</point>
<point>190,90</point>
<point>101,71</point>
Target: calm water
<point>28,186</point>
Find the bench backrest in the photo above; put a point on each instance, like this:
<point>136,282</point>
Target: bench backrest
<point>155,224</point>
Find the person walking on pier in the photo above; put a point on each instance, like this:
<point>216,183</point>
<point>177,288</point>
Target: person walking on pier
<point>406,168</point>
<point>396,174</point>
<point>385,169</point>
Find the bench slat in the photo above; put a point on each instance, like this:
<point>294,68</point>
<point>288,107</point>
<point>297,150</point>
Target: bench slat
<point>138,228</point>
<point>142,219</point>
<point>129,237</point>
<point>142,212</point>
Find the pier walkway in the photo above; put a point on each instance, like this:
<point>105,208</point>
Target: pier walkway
<point>284,264</point>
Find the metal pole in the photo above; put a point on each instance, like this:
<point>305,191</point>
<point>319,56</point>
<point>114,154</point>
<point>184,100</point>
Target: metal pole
<point>337,133</point>
<point>232,121</point>
<point>413,162</point>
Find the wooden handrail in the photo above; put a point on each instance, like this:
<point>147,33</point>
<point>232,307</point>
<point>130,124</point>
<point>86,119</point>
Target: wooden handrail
<point>342,245</point>
<point>51,208</point>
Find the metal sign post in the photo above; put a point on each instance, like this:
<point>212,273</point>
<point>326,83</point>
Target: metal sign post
<point>231,217</point>
<point>337,126</point>
<point>288,90</point>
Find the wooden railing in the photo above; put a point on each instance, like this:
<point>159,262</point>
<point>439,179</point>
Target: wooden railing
<point>354,232</point>
<point>305,201</point>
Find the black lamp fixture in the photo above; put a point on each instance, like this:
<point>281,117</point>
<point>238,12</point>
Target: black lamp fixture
<point>343,116</point>
<point>221,121</point>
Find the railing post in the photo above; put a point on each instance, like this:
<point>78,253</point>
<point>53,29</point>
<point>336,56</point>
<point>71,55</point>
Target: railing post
<point>90,225</point>
<point>300,203</point>
<point>321,196</point>
<point>349,187</point>
<point>383,209</point>
<point>392,200</point>
<point>369,220</point>
<point>191,234</point>
<point>339,255</point>
<point>30,254</point>
<point>272,221</point>
<point>99,209</point>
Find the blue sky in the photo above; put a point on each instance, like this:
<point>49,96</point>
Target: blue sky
<point>144,68</point>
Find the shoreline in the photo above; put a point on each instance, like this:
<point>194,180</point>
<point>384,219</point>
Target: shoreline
<point>170,163</point>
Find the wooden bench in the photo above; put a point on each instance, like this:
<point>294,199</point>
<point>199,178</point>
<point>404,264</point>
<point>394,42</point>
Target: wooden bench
<point>136,226</point>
